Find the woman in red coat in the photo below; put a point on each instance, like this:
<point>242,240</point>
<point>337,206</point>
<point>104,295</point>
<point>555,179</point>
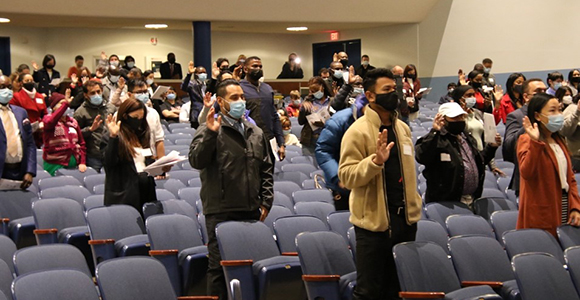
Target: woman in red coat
<point>512,100</point>
<point>548,192</point>
<point>33,102</point>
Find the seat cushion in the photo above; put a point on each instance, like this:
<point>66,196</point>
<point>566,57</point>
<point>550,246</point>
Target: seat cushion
<point>64,233</point>
<point>477,292</point>
<point>139,241</point>
<point>510,290</point>
<point>193,251</point>
<point>346,285</point>
<point>273,261</point>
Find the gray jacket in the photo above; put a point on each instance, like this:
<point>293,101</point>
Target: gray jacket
<point>236,170</point>
<point>85,115</point>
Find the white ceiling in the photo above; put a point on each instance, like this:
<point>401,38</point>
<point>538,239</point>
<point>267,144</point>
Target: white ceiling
<point>268,16</point>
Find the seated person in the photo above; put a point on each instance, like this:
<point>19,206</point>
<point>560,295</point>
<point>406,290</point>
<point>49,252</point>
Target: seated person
<point>289,138</point>
<point>171,106</point>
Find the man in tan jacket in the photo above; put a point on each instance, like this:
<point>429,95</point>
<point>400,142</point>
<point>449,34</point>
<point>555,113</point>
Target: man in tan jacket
<point>377,163</point>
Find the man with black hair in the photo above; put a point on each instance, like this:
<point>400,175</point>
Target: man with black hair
<point>488,77</point>
<point>260,102</point>
<point>236,172</point>
<point>555,81</point>
<point>170,69</point>
<point>76,69</point>
<point>447,97</point>
<point>90,116</point>
<point>364,67</point>
<point>377,164</point>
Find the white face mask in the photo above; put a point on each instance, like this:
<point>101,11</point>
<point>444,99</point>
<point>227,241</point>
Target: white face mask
<point>567,100</point>
<point>470,102</point>
<point>149,81</point>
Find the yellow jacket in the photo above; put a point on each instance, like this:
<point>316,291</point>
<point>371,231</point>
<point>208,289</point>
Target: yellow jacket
<point>357,171</point>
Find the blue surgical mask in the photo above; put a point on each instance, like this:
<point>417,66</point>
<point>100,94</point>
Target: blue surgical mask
<point>286,132</point>
<point>131,64</point>
<point>470,102</point>
<point>202,76</point>
<point>143,97</point>
<point>171,96</point>
<point>357,91</point>
<point>5,96</point>
<point>318,95</point>
<point>114,78</point>
<point>237,109</point>
<point>557,85</point>
<point>555,122</point>
<point>96,99</point>
<point>338,74</point>
<point>486,70</point>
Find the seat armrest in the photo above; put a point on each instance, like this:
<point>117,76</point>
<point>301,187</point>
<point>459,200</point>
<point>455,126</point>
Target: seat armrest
<point>46,236</point>
<point>102,250</point>
<point>492,284</point>
<point>427,295</point>
<point>320,278</point>
<point>4,228</point>
<point>236,263</point>
<point>198,298</point>
<point>241,270</point>
<point>289,253</point>
<point>169,260</point>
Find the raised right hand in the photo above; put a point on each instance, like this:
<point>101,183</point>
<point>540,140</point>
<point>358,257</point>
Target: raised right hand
<point>208,101</point>
<point>532,130</point>
<point>34,65</point>
<point>439,122</point>
<point>191,67</point>
<point>212,123</point>
<point>103,55</point>
<point>96,123</point>
<point>114,126</point>
<point>383,150</point>
<point>121,82</point>
<point>215,71</point>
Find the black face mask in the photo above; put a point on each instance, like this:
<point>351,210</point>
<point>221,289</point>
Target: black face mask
<point>475,85</point>
<point>256,74</point>
<point>344,63</point>
<point>575,79</point>
<point>134,124</point>
<point>29,86</point>
<point>388,101</point>
<point>49,66</point>
<point>171,60</point>
<point>455,128</point>
<point>518,88</point>
<point>411,76</point>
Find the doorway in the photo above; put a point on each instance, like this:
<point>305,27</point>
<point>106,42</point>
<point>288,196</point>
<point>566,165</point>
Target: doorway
<point>5,56</point>
<point>322,53</point>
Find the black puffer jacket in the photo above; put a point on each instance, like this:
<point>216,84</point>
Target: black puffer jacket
<point>236,171</point>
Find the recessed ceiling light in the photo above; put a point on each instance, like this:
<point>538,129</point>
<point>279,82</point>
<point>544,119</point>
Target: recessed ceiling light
<point>155,26</point>
<point>4,20</point>
<point>297,28</point>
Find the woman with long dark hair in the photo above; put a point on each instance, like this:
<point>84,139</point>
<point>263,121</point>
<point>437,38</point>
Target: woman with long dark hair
<point>512,100</point>
<point>548,192</point>
<point>126,182</point>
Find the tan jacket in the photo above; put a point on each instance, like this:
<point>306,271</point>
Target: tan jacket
<point>571,130</point>
<point>357,171</point>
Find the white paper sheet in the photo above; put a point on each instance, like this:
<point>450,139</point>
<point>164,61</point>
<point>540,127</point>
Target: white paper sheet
<point>425,91</point>
<point>275,148</point>
<point>170,159</point>
<point>489,128</point>
<point>159,92</point>
<point>7,184</point>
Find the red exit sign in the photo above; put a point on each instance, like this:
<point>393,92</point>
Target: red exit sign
<point>334,36</point>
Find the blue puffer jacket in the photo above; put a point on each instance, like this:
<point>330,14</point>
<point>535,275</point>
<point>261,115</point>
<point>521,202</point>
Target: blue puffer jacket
<point>328,145</point>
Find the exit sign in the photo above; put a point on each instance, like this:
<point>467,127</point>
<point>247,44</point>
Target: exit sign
<point>334,36</point>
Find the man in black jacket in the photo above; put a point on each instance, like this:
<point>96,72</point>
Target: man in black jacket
<point>170,69</point>
<point>454,168</point>
<point>236,172</point>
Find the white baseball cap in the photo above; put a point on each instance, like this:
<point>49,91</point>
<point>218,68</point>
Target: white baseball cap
<point>451,109</point>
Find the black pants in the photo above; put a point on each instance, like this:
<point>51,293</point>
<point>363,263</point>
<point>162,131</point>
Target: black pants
<point>216,280</point>
<point>375,265</point>
<point>342,203</point>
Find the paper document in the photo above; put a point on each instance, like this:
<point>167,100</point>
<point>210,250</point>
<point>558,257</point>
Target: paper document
<point>7,184</point>
<point>489,129</point>
<point>425,91</point>
<point>55,82</point>
<point>170,159</point>
<point>275,148</point>
<point>159,92</point>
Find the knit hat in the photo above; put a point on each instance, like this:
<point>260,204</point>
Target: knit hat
<point>54,99</point>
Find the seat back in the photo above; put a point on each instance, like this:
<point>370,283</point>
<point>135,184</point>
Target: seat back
<point>572,257</point>
<point>7,249</point>
<point>57,213</point>
<point>479,258</point>
<point>92,180</point>
<point>286,187</point>
<point>304,168</point>
<point>338,222</point>
<point>502,221</point>
<point>114,222</point>
<point>287,228</point>
<point>167,232</point>
<point>173,186</point>
<point>352,241</point>
<point>163,194</point>
<point>492,192</point>
<point>320,210</point>
<point>318,195</point>
<point>532,240</point>
<point>439,211</point>
<point>58,181</point>
<point>6,278</point>
<point>77,193</point>
<point>432,231</point>
<point>424,267</point>
<point>238,240</point>
<point>468,224</point>
<point>324,253</point>
<point>80,176</point>
<point>293,176</point>
<point>55,285</point>
<point>541,276</point>
<point>49,257</point>
<point>189,194</point>
<point>93,201</point>
<point>569,236</point>
<point>179,207</point>
<point>486,206</point>
<point>283,200</point>
<point>183,175</point>
<point>133,278</point>
<point>275,213</point>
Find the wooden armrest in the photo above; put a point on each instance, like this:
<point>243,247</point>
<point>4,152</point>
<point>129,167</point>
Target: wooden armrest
<point>492,284</point>
<point>101,242</point>
<point>289,253</point>
<point>236,263</point>
<point>5,220</point>
<point>320,278</point>
<point>45,231</point>
<point>163,252</point>
<point>198,298</point>
<point>428,295</point>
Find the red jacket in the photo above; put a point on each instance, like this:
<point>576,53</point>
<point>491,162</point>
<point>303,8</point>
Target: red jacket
<point>540,187</point>
<point>62,139</point>
<point>292,110</point>
<point>505,107</point>
<point>35,108</point>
